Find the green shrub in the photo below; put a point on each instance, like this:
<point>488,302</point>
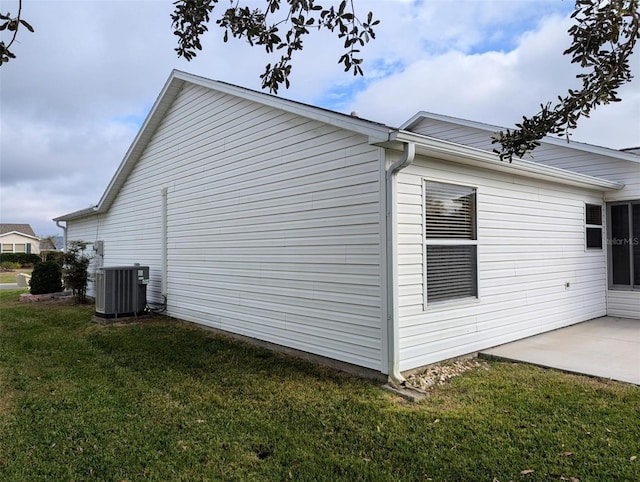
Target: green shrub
<point>46,278</point>
<point>57,256</point>
<point>9,265</point>
<point>76,263</point>
<point>25,259</point>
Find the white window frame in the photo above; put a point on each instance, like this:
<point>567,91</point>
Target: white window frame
<point>447,242</point>
<point>594,226</point>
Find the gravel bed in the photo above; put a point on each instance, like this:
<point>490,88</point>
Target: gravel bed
<point>441,373</point>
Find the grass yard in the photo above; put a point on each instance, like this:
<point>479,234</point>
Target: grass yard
<point>10,276</point>
<point>164,401</point>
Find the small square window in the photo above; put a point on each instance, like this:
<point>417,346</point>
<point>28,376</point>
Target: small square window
<point>593,222</point>
<point>594,214</point>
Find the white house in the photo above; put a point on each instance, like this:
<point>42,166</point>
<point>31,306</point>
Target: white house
<point>384,248</point>
<point>20,238</point>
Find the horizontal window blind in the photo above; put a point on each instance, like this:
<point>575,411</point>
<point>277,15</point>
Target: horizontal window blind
<point>450,238</point>
<point>450,211</point>
<point>451,272</point>
<point>593,214</point>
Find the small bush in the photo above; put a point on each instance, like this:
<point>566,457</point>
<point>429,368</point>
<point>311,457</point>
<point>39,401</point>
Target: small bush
<point>25,259</point>
<point>9,265</point>
<point>76,263</point>
<point>46,278</point>
<point>57,256</point>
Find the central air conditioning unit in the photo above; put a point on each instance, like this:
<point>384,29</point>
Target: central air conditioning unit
<point>121,291</point>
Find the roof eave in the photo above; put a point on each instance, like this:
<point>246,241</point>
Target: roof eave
<point>21,234</point>
<point>166,98</point>
<point>82,213</point>
<point>581,146</point>
<point>348,122</point>
<point>468,155</point>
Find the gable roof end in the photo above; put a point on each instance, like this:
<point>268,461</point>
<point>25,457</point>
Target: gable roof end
<point>378,134</point>
<point>17,228</point>
<point>167,96</point>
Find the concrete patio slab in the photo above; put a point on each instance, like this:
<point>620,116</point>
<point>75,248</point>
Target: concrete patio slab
<point>606,347</point>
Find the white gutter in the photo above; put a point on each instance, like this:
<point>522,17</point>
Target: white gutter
<point>471,155</point>
<point>64,235</point>
<point>393,330</point>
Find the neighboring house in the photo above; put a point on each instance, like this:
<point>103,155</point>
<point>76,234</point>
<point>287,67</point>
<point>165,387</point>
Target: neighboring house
<point>383,248</point>
<point>58,242</point>
<point>19,238</point>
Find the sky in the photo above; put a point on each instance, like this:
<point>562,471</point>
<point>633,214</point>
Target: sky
<point>73,100</point>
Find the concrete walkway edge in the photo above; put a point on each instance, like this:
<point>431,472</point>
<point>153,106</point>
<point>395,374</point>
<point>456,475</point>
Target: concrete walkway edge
<point>606,347</point>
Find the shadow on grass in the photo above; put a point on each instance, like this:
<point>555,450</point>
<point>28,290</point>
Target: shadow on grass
<point>165,401</point>
<point>174,346</point>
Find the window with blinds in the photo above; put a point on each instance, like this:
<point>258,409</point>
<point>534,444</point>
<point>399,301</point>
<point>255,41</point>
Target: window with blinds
<point>593,226</point>
<point>450,241</point>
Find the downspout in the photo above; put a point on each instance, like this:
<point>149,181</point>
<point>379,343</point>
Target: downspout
<point>64,235</point>
<point>163,244</point>
<point>393,331</point>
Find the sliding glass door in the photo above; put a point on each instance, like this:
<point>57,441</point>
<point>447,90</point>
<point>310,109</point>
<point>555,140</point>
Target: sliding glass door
<point>624,245</point>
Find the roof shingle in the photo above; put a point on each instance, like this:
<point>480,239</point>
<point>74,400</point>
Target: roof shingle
<point>20,228</point>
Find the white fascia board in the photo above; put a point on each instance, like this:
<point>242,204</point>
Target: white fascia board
<point>82,213</point>
<point>446,118</point>
<point>354,124</point>
<point>458,153</point>
<point>581,146</point>
<point>20,234</point>
<point>164,100</point>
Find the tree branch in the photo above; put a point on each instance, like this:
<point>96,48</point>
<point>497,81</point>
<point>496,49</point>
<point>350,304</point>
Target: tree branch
<point>287,35</point>
<point>603,41</point>
<point>11,24</point>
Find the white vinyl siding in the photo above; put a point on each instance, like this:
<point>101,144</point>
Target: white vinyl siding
<point>563,157</point>
<point>531,239</point>
<point>273,225</point>
<point>18,243</point>
<point>566,157</point>
<point>625,304</point>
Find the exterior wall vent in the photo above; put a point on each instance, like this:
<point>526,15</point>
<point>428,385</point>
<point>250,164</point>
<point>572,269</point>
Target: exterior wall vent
<point>121,291</point>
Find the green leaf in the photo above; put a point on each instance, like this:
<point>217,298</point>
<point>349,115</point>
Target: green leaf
<point>26,24</point>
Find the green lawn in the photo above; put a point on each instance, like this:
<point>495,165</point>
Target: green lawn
<point>163,401</point>
<point>10,276</point>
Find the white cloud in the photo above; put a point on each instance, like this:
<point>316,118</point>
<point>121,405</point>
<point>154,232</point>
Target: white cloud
<point>74,97</point>
<point>499,88</point>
